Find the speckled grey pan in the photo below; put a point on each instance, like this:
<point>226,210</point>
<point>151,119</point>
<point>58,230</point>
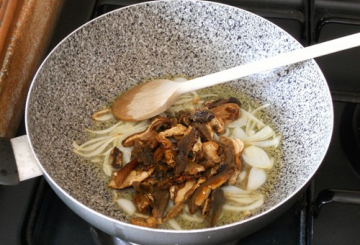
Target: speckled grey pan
<point>112,53</point>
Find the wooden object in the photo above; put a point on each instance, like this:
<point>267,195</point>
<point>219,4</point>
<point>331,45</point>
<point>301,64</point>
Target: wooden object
<point>26,27</point>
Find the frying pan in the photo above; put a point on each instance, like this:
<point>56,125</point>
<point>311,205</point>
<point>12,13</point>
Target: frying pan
<point>114,52</point>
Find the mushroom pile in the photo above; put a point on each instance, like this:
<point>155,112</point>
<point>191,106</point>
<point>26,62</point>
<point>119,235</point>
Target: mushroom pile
<point>179,161</point>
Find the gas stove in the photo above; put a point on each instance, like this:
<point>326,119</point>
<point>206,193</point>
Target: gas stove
<point>328,212</point>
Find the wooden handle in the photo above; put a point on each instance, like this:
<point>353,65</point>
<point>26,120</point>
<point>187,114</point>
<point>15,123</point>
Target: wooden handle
<point>273,62</point>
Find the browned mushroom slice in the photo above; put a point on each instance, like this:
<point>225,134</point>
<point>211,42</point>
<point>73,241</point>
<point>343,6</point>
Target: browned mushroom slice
<point>132,177</point>
<point>217,124</point>
<point>192,168</point>
<point>184,118</point>
<point>148,136</point>
<point>227,112</point>
<point>149,222</point>
<point>175,180</point>
<point>161,199</point>
<point>174,211</point>
<point>231,156</point>
<point>158,154</point>
<point>187,190</point>
<point>203,192</point>
<point>146,186</point>
<point>143,201</point>
<point>214,206</point>
<point>184,146</point>
<point>215,103</point>
<point>205,131</point>
<point>116,158</point>
<point>179,129</point>
<point>143,153</point>
<point>210,150</point>
<point>202,116</point>
<point>170,155</point>
<point>120,176</point>
<point>232,150</point>
<point>196,152</point>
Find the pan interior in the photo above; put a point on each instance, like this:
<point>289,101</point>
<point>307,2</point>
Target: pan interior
<point>113,53</point>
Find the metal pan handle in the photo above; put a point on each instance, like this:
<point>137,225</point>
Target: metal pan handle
<point>17,162</point>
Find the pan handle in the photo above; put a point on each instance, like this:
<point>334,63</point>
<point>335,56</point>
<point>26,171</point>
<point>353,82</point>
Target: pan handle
<point>17,162</point>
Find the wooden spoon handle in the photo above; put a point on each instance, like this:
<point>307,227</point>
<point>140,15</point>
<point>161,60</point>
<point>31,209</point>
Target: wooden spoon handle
<point>291,57</point>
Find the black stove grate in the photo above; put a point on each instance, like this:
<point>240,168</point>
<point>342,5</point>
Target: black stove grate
<point>45,219</point>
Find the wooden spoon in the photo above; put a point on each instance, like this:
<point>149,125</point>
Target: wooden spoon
<point>152,98</point>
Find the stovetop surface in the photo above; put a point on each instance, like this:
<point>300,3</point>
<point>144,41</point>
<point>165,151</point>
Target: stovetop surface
<point>31,213</point>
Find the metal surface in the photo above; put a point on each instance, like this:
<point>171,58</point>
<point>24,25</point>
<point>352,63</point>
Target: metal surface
<point>8,168</point>
<point>337,224</point>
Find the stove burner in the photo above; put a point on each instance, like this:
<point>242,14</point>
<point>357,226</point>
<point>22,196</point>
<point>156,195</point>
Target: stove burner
<point>350,134</point>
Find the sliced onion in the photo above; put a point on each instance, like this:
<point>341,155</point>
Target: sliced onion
<point>192,218</point>
<point>256,157</point>
<point>251,117</point>
<point>107,168</point>
<point>126,205</point>
<point>266,143</point>
<point>241,122</point>
<point>174,224</point>
<point>230,189</point>
<point>254,205</point>
<point>256,179</point>
<point>105,131</point>
<point>263,134</point>
<point>242,176</point>
<point>243,200</point>
<point>239,133</point>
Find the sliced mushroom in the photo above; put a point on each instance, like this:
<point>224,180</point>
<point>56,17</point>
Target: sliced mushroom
<point>116,158</point>
<point>146,186</point>
<point>215,204</point>
<point>174,211</point>
<point>202,116</point>
<point>149,135</point>
<point>158,154</point>
<point>218,102</point>
<point>120,176</point>
<point>142,153</point>
<point>217,124</point>
<point>183,194</point>
<point>161,199</point>
<point>227,112</point>
<point>210,150</point>
<point>143,201</point>
<point>197,151</point>
<point>134,176</point>
<point>231,148</point>
<point>205,130</point>
<point>193,168</point>
<point>184,146</point>
<point>175,180</point>
<point>203,192</point>
<point>232,152</point>
<point>149,222</point>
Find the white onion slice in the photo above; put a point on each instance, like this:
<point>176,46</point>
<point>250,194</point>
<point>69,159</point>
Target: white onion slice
<point>257,178</point>
<point>263,134</point>
<point>256,157</point>
<point>242,176</point>
<point>174,224</point>
<point>126,205</point>
<point>254,205</point>
<point>239,133</point>
<point>239,122</point>
<point>192,218</point>
<point>266,143</point>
